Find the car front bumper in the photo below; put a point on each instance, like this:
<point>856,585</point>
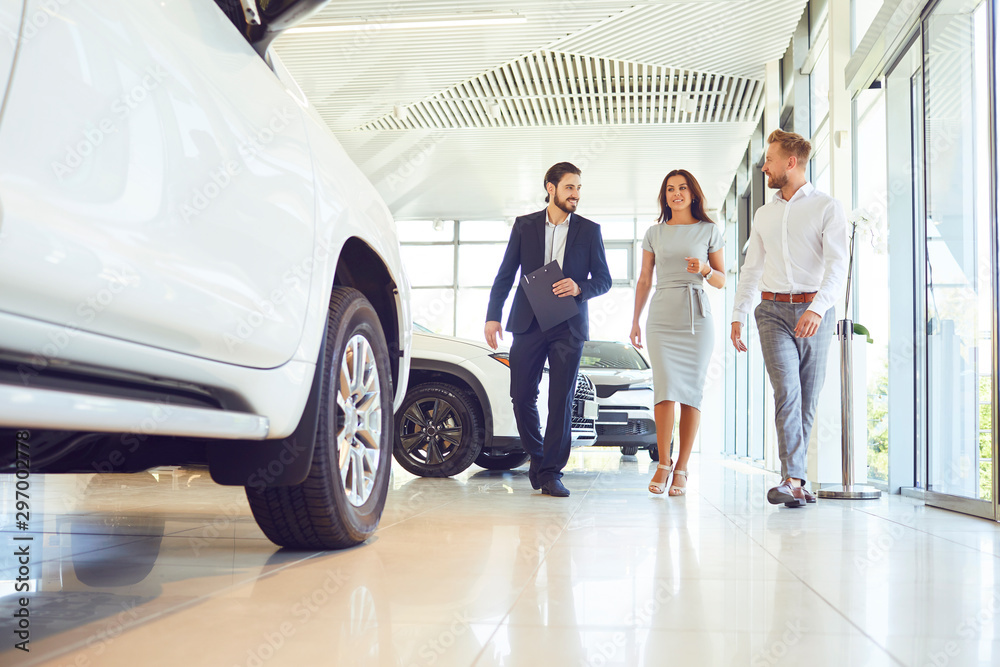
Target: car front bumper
<point>638,431</point>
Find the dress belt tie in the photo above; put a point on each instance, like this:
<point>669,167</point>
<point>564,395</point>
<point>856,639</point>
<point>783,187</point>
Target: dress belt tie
<point>692,290</point>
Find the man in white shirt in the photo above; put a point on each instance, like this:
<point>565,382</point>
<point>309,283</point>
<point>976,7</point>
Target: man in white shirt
<point>797,259</point>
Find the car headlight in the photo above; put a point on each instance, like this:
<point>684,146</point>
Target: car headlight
<point>642,385</point>
<point>502,357</point>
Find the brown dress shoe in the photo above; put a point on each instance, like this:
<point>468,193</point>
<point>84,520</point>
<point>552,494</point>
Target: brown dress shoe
<point>810,498</point>
<point>789,493</point>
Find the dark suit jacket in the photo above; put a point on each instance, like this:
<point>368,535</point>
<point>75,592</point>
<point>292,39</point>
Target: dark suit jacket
<point>584,262</point>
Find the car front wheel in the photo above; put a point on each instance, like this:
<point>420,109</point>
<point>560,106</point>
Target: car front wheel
<point>439,430</point>
<point>340,502</point>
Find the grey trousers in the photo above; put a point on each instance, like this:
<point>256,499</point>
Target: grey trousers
<point>797,368</point>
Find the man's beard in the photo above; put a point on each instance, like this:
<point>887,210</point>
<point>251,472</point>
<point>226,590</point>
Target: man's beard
<point>564,205</point>
<point>777,182</point>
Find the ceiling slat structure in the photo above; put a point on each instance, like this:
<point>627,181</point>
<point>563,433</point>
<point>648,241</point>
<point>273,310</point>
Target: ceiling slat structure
<point>455,108</point>
<point>567,90</point>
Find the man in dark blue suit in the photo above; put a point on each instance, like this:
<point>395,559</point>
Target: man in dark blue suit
<point>537,239</point>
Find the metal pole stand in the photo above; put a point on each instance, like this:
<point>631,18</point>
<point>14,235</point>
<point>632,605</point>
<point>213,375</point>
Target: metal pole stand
<point>848,490</point>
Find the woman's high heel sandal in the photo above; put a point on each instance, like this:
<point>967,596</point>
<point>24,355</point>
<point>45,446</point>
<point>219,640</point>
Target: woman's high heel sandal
<point>679,490</point>
<point>658,488</point>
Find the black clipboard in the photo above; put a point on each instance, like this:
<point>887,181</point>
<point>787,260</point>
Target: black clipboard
<point>549,309</point>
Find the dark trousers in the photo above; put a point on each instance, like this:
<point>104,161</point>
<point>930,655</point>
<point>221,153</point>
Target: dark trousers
<point>528,353</point>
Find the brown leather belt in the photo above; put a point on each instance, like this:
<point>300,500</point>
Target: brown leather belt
<point>804,297</point>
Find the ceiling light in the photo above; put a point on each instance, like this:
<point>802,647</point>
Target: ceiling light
<point>416,22</point>
<point>495,111</point>
<point>399,112</point>
<point>691,105</point>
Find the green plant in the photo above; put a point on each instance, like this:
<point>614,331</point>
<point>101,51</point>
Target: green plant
<point>985,437</point>
<point>878,426</point>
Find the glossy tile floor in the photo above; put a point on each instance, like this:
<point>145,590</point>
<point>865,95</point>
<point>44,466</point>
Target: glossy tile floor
<point>170,569</point>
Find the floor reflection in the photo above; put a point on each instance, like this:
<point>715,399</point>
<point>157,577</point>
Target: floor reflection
<point>482,570</point>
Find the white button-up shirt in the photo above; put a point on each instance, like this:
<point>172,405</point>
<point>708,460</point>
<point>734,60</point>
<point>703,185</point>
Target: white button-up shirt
<point>795,246</point>
<point>555,239</point>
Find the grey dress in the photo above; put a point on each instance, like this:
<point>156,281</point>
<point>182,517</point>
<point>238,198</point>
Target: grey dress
<point>679,331</point>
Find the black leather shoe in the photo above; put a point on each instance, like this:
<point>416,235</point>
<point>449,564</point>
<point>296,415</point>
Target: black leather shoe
<point>533,474</point>
<point>556,488</point>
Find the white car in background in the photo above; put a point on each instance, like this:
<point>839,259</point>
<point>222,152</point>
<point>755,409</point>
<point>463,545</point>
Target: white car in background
<point>192,270</point>
<point>624,385</point>
<point>458,411</point>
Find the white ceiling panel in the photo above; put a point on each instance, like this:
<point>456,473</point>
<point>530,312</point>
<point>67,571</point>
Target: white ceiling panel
<point>734,38</point>
<point>356,77</point>
<point>461,121</point>
<point>484,175</point>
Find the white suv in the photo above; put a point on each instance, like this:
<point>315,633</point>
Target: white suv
<point>624,383</point>
<point>458,410</point>
<point>192,271</point>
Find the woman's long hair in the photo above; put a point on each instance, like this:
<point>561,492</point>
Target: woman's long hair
<point>697,197</point>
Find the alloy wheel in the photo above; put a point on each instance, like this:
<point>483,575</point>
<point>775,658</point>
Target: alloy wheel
<point>431,431</point>
<point>359,408</point>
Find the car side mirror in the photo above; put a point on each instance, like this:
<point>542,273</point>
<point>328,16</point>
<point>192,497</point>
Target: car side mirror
<point>264,20</point>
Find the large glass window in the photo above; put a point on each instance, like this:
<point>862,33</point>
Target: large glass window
<point>453,302</point>
<point>821,163</point>
<point>959,261</point>
<point>471,308</point>
<point>619,256</point>
<point>485,230</point>
<point>434,309</point>
<point>819,113</point>
<point>478,264</point>
<point>871,277</point>
<point>426,231</point>
<point>429,265</point>
<point>616,228</point>
<point>611,314</point>
<point>819,83</point>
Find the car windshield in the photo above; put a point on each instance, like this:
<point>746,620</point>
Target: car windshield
<point>618,356</point>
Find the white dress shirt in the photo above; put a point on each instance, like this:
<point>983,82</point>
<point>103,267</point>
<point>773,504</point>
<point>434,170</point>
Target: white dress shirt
<point>555,239</point>
<point>795,246</point>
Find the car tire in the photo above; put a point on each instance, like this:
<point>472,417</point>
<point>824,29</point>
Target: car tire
<point>439,430</point>
<point>629,450</point>
<point>654,452</point>
<point>507,461</point>
<point>340,502</point>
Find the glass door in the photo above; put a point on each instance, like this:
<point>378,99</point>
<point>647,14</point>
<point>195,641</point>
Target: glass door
<point>904,209</point>
<point>960,261</point>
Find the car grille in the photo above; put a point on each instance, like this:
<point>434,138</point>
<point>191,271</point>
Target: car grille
<point>633,427</point>
<point>584,392</point>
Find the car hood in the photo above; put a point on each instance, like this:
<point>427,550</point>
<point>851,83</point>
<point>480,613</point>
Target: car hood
<point>428,343</point>
<point>608,376</point>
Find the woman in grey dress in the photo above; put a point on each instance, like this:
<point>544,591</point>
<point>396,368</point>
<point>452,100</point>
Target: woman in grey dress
<point>685,247</point>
